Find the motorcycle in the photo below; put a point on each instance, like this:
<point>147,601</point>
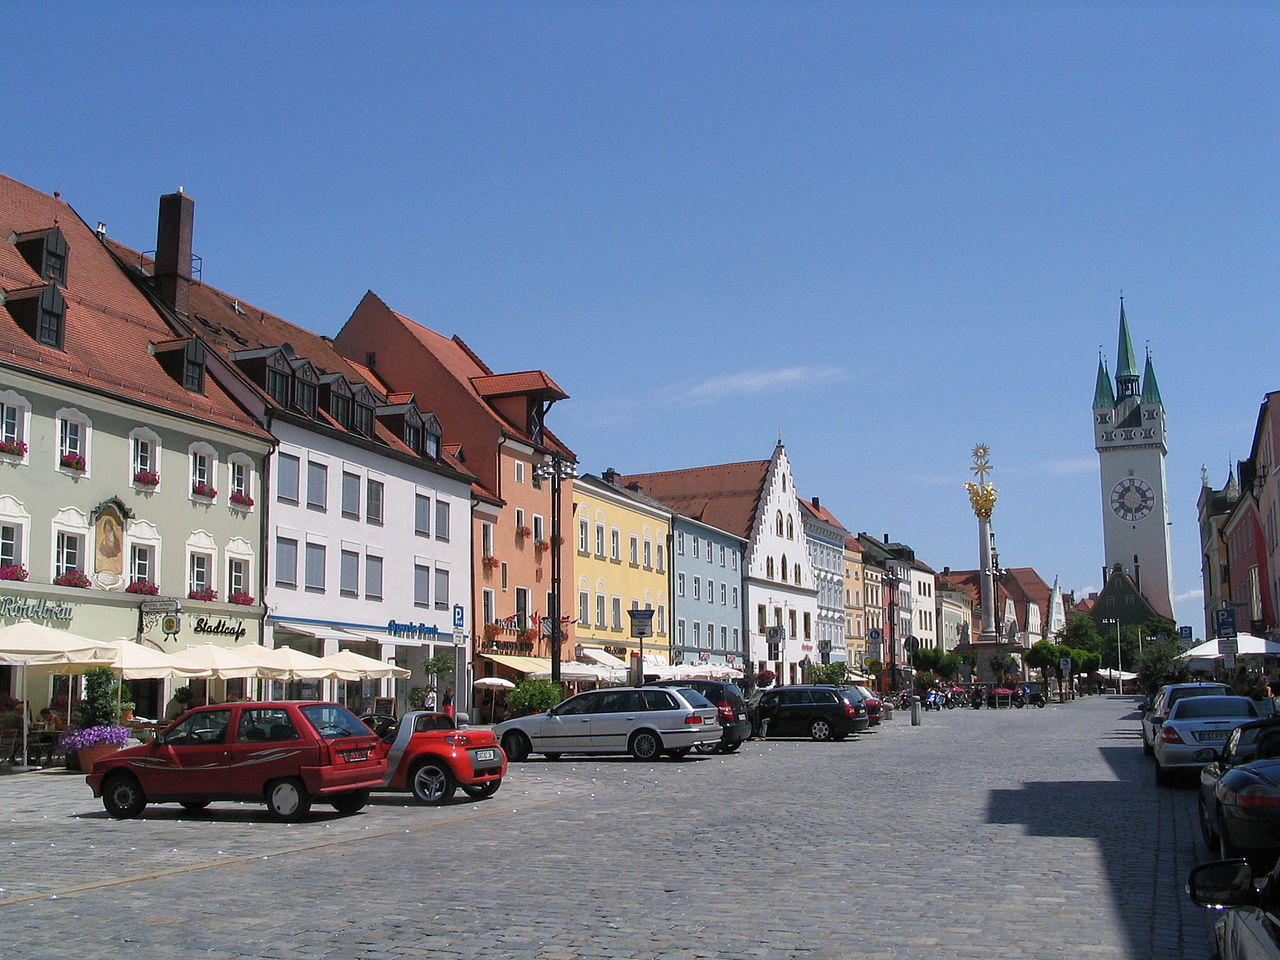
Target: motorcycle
<point>934,700</point>
<point>977,699</point>
<point>1028,696</point>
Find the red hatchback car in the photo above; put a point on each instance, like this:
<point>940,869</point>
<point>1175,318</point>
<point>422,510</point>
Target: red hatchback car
<point>430,756</point>
<point>282,753</point>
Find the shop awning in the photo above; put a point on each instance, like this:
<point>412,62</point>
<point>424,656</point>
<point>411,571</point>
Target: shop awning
<point>597,655</point>
<point>319,631</point>
<point>520,664</point>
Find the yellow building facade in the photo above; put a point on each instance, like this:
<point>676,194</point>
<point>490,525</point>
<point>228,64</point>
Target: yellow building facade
<point>622,561</point>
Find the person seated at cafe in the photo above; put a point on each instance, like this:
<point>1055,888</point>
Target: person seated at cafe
<point>12,720</point>
<point>50,720</point>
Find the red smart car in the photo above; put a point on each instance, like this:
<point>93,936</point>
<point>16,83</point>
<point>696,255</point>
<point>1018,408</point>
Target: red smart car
<point>430,756</point>
<point>283,753</point>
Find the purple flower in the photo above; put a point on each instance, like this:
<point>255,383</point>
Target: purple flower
<point>92,736</point>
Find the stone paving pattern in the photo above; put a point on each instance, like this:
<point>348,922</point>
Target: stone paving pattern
<point>978,834</point>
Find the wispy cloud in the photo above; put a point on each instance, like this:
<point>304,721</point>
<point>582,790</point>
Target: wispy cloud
<point>1189,596</point>
<point>758,381</point>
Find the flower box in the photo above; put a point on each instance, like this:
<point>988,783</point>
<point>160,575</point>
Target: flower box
<point>146,587</point>
<point>203,490</point>
<point>491,631</point>
<point>73,461</point>
<point>146,478</point>
<point>524,533</point>
<point>72,578</point>
<point>542,546</point>
<point>208,594</point>
<point>241,598</point>
<point>14,572</point>
<point>106,735</point>
<point>14,448</point>
<point>489,561</point>
<point>240,499</point>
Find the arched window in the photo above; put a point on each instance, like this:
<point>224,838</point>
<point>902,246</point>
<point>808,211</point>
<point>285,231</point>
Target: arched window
<point>779,523</point>
<point>784,568</point>
<point>791,530</point>
<point>768,568</point>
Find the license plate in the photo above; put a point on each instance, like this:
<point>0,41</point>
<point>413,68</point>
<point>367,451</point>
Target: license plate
<point>486,755</point>
<point>355,755</point>
<point>1213,734</point>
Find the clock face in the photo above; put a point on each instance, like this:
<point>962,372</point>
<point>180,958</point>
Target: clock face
<point>1132,498</point>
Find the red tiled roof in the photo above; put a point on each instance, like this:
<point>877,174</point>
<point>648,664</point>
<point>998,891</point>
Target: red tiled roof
<point>851,544</point>
<point>821,512</point>
<point>110,325</point>
<point>725,496</point>
<point>506,384</point>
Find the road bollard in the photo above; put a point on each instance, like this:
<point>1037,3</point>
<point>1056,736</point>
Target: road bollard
<point>915,711</point>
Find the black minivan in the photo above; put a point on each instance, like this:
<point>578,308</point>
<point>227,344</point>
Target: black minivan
<point>820,712</point>
<point>730,705</point>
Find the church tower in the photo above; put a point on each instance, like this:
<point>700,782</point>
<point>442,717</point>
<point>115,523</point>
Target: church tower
<point>1129,435</point>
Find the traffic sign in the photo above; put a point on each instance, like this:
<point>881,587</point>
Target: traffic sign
<point>458,615</point>
<point>1065,665</point>
<point>1184,633</point>
<point>875,634</point>
<point>1224,622</point>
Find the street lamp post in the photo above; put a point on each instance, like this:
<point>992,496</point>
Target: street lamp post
<point>555,468</point>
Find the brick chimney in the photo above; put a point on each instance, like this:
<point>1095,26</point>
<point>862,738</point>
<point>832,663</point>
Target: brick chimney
<point>610,476</point>
<point>816,503</point>
<point>173,249</point>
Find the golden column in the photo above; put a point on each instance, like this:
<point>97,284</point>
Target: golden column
<point>982,497</point>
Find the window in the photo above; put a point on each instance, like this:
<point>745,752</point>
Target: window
<point>519,468</point>
<point>432,444</point>
<point>442,519</point>
<point>617,613</point>
<point>287,478</point>
<point>711,590</point>
<point>315,567</point>
<point>697,634</point>
<point>350,495</point>
<point>724,594</point>
<point>71,439</point>
<point>648,554</point>
<point>488,606</point>
<point>722,552</point>
<point>201,472</point>
<point>584,608</point>
<point>340,407</point>
<point>539,528</point>
<point>278,386</point>
<point>421,585</point>
<point>364,419</point>
<point>143,456</point>
<point>583,533</point>
<point>442,589</point>
<point>634,551</point>
<point>199,572</point>
<point>12,425</point>
<point>600,610</point>
<point>237,575</point>
<point>522,608</point>
<point>662,620</point>
<point>142,562</point>
<point>413,436</point>
<point>679,584</point>
<point>317,486</point>
<point>286,562</point>
<point>724,638</point>
<point>735,598</point>
<point>373,507</point>
<point>193,367</point>
<point>422,515</point>
<point>240,473</point>
<point>695,547</point>
<point>697,589</point>
<point>680,543</point>
<point>680,632</point>
<point>349,573</point>
<point>615,545</point>
<point>733,560</point>
<point>599,539</point>
<point>373,577</point>
<point>69,554</point>
<point>662,559</point>
<point>486,540</point>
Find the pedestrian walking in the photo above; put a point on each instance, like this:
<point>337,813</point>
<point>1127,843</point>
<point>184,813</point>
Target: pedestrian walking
<point>448,702</point>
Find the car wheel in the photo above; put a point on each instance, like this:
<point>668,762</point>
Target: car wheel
<point>730,747</point>
<point>479,791</point>
<point>193,805</point>
<point>1207,829</point>
<point>553,756</point>
<point>646,745</point>
<point>516,746</point>
<point>288,799</point>
<point>820,730</point>
<point>122,796</point>
<point>352,802</point>
<point>679,753</point>
<point>431,783</point>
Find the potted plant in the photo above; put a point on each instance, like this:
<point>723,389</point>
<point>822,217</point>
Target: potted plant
<point>240,499</point>
<point>204,490</point>
<point>72,578</point>
<point>146,478</point>
<point>14,571</point>
<point>100,732</point>
<point>207,593</point>
<point>241,598</point>
<point>524,533</point>
<point>14,448</point>
<point>489,561</point>
<point>542,546</point>
<point>145,587</point>
<point>73,461</point>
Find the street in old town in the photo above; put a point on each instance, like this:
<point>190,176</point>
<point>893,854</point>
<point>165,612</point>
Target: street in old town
<point>986,834</point>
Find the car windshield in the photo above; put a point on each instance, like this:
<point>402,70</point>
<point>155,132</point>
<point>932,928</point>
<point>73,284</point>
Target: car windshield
<point>333,720</point>
<point>1193,707</point>
<point>695,698</point>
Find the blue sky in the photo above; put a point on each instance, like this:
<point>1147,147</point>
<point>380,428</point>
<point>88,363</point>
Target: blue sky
<point>886,231</point>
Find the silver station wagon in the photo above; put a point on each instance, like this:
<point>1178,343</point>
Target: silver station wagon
<point>642,721</point>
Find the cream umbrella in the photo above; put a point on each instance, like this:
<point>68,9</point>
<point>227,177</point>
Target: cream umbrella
<point>228,663</point>
<point>297,665</point>
<point>365,666</point>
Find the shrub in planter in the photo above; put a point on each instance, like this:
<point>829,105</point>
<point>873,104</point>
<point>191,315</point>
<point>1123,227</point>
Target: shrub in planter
<point>241,598</point>
<point>147,587</point>
<point>206,594</point>
<point>534,696</point>
<point>203,490</point>
<point>146,478</point>
<point>85,737</point>
<point>240,499</point>
<point>72,578</point>
<point>15,572</point>
<point>14,448</point>
<point>73,461</point>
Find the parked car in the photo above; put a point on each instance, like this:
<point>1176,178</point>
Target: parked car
<point>1249,928</point>
<point>818,711</point>
<point>730,705</point>
<point>874,705</point>
<point>429,755</point>
<point>1157,711</point>
<point>1196,729</point>
<point>1239,798</point>
<point>643,721</point>
<point>282,753</point>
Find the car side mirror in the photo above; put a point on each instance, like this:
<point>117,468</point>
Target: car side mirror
<point>1223,883</point>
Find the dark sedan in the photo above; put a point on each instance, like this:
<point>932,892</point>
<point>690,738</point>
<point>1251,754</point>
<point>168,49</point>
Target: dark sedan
<point>1249,927</point>
<point>1240,794</point>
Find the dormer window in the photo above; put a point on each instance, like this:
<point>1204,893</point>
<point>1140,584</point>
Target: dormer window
<point>412,436</point>
<point>45,252</point>
<point>335,396</point>
<point>278,386</point>
<point>362,418</point>
<point>432,448</point>
<point>184,360</point>
<point>41,312</point>
<point>305,386</point>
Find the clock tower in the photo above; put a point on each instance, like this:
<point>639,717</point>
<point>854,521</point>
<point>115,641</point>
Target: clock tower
<point>1129,435</point>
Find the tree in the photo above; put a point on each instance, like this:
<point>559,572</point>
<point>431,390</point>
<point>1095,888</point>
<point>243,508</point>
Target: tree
<point>534,696</point>
<point>1080,634</point>
<point>101,705</point>
<point>1045,656</point>
<point>926,659</point>
<point>829,673</point>
<point>1159,664</point>
<point>949,665</point>
<point>1002,666</point>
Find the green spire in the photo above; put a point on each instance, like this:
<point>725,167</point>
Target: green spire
<point>1126,365</point>
<point>1150,389</point>
<point>1103,397</point>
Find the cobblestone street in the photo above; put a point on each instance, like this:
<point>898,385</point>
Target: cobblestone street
<point>984,834</point>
